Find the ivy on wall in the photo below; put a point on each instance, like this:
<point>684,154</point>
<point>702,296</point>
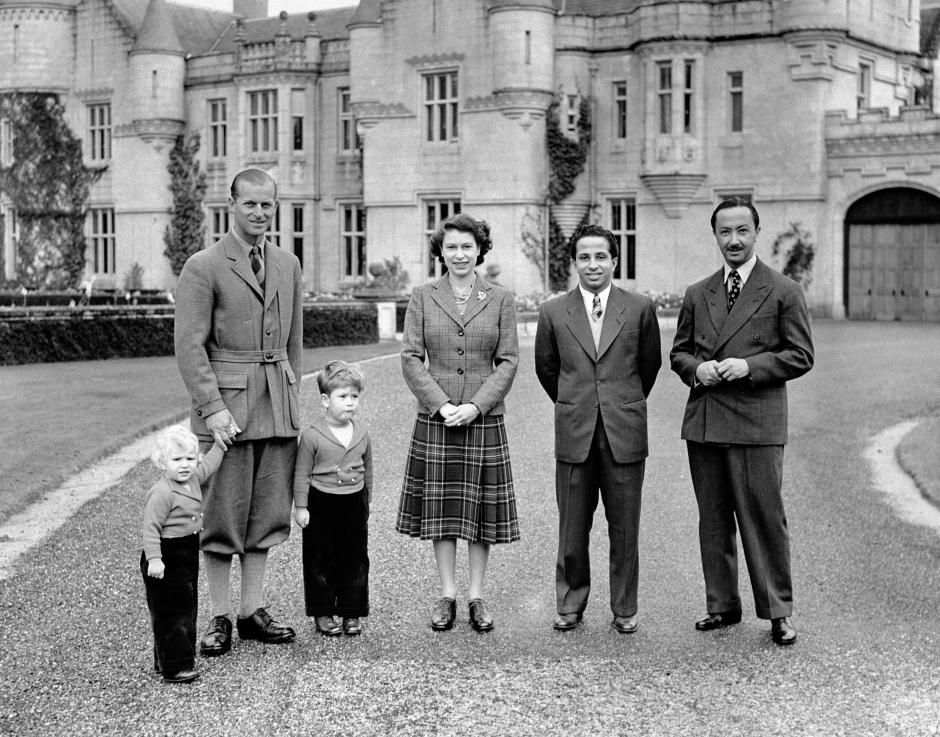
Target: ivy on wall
<point>795,247</point>
<point>186,232</point>
<point>566,159</point>
<point>48,184</point>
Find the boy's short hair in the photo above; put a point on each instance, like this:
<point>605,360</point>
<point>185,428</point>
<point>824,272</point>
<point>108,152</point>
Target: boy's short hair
<point>337,374</point>
<point>173,438</point>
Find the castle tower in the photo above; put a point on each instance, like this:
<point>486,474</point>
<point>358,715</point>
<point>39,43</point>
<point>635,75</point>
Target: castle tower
<point>37,45</point>
<point>151,119</point>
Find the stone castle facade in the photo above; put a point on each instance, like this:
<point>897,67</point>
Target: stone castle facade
<point>380,119</point>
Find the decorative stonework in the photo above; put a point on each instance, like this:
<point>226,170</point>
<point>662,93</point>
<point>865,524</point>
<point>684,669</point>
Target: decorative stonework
<point>525,106</point>
<point>158,132</point>
<point>673,191</point>
<point>434,61</point>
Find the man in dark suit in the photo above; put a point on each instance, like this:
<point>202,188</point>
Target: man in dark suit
<point>742,334</point>
<point>239,342</point>
<point>597,353</point>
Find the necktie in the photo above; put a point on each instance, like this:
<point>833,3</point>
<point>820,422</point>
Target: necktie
<point>735,291</point>
<point>257,265</point>
<point>596,310</point>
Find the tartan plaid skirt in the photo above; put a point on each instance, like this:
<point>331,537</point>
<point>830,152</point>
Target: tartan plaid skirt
<point>458,482</point>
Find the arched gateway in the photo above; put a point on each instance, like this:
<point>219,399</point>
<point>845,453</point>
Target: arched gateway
<point>892,256</point>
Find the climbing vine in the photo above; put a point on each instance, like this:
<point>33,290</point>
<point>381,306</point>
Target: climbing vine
<point>48,185</point>
<point>795,246</point>
<point>186,232</point>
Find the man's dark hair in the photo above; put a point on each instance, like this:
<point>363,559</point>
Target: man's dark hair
<point>252,176</point>
<point>586,231</point>
<point>736,202</point>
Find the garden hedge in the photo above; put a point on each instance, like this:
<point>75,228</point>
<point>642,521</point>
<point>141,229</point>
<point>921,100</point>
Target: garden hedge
<point>80,335</point>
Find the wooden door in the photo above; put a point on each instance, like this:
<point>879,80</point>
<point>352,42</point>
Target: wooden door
<point>861,279</point>
<point>931,274</point>
<point>885,285</point>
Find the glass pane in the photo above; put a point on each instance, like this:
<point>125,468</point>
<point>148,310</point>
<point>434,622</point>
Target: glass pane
<point>615,223</point>
<point>631,216</point>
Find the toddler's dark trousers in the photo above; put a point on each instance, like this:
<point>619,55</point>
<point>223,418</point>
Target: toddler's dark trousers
<point>336,555</point>
<point>173,601</point>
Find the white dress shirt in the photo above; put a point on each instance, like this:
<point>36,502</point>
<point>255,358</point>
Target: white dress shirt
<point>596,325</point>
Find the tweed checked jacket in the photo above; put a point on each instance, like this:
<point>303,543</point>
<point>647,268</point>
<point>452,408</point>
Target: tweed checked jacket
<point>449,357</point>
<point>769,328</point>
<point>614,379</point>
<point>238,347</point>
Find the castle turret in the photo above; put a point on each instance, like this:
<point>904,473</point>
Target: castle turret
<point>157,68</point>
<point>37,45</point>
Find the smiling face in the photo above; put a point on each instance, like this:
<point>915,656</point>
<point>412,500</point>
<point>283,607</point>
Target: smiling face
<point>736,235</point>
<point>594,263</point>
<point>180,462</point>
<point>340,404</point>
<point>253,209</point>
<point>459,251</point>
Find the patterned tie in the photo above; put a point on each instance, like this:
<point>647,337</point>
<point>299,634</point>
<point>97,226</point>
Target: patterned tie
<point>257,265</point>
<point>735,291</point>
<point>596,310</point>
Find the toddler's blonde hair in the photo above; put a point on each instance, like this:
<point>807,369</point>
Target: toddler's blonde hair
<point>173,438</point>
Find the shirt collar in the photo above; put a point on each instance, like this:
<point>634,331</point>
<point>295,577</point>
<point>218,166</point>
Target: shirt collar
<point>744,270</point>
<point>588,296</point>
<point>248,246</point>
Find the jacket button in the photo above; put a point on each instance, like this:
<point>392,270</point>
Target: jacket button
<point>199,412</point>
<point>459,371</point>
<point>460,333</point>
<point>460,351</point>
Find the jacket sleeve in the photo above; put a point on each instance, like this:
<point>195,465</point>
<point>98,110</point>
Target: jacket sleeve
<point>295,339</point>
<point>210,463</point>
<point>413,354</point>
<point>195,301</point>
<point>682,357</point>
<point>303,466</point>
<point>547,361</point>
<point>156,513</point>
<point>793,355</point>
<point>651,357</point>
<point>505,359</point>
<point>367,468</point>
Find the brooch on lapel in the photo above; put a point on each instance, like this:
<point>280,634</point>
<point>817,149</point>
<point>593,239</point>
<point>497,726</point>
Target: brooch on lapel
<point>481,295</point>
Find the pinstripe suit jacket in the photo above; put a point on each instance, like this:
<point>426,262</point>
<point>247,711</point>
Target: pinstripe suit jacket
<point>220,307</point>
<point>449,357</point>
<point>613,380</point>
<point>769,327</point>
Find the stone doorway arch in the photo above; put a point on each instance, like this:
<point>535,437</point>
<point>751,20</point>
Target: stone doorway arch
<point>892,256</point>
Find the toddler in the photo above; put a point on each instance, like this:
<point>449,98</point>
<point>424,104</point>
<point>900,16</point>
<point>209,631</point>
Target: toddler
<point>332,492</point>
<point>169,562</point>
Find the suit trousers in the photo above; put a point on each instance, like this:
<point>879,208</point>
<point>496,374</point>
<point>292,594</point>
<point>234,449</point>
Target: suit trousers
<point>172,601</point>
<point>336,555</point>
<point>576,488</point>
<point>742,483</point>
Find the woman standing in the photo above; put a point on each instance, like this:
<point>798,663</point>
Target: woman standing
<point>459,357</point>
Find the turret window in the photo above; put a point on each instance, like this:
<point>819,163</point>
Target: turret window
<point>99,131</point>
<point>664,95</point>
<point>440,106</point>
<point>262,121</point>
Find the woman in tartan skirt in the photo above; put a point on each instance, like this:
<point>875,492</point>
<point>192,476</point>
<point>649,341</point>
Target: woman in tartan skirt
<point>459,357</point>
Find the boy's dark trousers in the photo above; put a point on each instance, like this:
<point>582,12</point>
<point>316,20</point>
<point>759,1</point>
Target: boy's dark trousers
<point>173,601</point>
<point>336,555</point>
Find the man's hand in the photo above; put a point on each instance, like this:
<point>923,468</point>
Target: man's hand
<point>462,415</point>
<point>732,369</point>
<point>155,568</point>
<point>707,373</point>
<point>301,516</point>
<point>223,428</point>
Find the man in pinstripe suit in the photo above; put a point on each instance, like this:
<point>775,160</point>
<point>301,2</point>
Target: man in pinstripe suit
<point>742,334</point>
<point>239,336</point>
<point>597,353</point>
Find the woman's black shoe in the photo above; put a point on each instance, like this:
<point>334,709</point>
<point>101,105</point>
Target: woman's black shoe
<point>443,614</point>
<point>480,619</point>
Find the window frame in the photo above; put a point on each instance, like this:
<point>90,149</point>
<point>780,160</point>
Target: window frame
<point>353,243</point>
<point>219,217</point>
<point>664,83</point>
<point>218,127</point>
<point>298,234</point>
<point>262,122</point>
<point>624,209</point>
<point>346,122</point>
<point>688,97</point>
<point>863,88</point>
<point>441,106</point>
<point>101,240</point>
<point>99,131</point>
<point>736,101</point>
<point>6,142</point>
<point>620,109</point>
<point>434,210</point>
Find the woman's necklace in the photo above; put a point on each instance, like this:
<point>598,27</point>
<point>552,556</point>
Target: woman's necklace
<point>459,295</point>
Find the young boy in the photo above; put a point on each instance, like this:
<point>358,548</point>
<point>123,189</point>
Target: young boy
<point>332,492</point>
<point>169,562</point>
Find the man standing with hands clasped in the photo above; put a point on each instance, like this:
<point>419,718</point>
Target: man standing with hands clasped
<point>597,352</point>
<point>742,334</point>
<point>239,335</point>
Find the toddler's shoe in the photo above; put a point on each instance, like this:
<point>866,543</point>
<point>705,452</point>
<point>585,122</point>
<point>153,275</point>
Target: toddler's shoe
<point>187,675</point>
<point>352,626</point>
<point>327,626</point>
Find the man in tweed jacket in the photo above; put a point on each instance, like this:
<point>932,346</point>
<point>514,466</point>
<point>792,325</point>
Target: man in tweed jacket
<point>239,335</point>
<point>597,353</point>
<point>742,334</point>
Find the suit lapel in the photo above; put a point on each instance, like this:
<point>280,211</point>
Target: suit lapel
<point>613,320</point>
<point>444,296</point>
<point>239,261</point>
<point>754,292</point>
<point>479,298</point>
<point>578,323</point>
<point>717,299</point>
<point>273,272</point>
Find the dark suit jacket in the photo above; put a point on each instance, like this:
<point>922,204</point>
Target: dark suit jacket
<point>768,327</point>
<point>615,379</point>
<point>470,358</point>
<point>220,307</point>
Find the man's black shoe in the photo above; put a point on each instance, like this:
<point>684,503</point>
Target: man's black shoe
<point>218,638</point>
<point>717,621</point>
<point>262,627</point>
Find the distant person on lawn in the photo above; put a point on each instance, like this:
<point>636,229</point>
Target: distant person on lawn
<point>169,562</point>
<point>332,491</point>
<point>239,312</point>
